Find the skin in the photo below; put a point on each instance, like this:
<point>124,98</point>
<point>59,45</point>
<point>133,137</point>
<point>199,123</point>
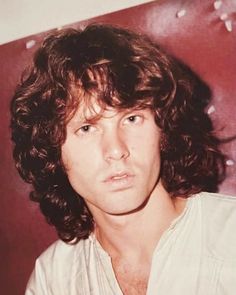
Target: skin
<point>117,153</point>
<point>113,162</point>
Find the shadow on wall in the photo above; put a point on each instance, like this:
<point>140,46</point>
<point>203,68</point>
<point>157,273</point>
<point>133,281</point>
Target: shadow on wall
<point>202,34</point>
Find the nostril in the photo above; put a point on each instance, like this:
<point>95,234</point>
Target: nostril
<point>117,153</point>
<point>116,150</point>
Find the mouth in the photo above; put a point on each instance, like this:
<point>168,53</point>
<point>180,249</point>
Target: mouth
<point>119,181</point>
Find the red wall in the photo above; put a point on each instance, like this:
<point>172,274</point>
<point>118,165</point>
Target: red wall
<point>200,38</point>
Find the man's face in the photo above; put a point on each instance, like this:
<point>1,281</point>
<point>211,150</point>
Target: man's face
<point>112,161</point>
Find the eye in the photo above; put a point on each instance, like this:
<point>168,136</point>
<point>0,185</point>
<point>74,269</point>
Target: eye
<point>85,129</point>
<point>134,119</point>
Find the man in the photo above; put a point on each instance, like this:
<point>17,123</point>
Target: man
<point>113,136</point>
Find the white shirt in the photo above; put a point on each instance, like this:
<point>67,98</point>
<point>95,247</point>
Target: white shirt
<point>196,255</point>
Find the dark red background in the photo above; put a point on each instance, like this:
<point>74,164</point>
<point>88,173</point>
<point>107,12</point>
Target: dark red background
<point>199,38</point>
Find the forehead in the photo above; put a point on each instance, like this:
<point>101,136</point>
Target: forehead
<point>97,90</point>
<point>94,111</point>
<point>97,94</point>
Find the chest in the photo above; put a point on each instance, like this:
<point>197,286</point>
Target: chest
<point>133,280</point>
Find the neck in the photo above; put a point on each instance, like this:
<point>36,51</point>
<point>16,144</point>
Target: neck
<point>136,234</point>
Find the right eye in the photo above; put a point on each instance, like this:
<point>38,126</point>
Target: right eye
<point>85,129</point>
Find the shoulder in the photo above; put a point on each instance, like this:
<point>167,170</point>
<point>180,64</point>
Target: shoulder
<point>60,249</point>
<point>218,215</point>
<point>217,204</point>
<point>218,207</point>
<point>60,253</point>
<point>56,266</point>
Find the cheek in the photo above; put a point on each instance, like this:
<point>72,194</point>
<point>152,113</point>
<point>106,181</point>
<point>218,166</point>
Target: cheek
<point>79,176</point>
<point>151,155</point>
<point>74,154</point>
<point>150,145</point>
<point>154,159</point>
<point>77,166</point>
<point>80,165</point>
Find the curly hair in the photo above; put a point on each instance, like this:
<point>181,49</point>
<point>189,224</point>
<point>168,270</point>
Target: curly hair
<point>124,70</point>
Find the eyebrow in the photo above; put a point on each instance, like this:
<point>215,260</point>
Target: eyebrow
<point>91,119</point>
<point>94,118</point>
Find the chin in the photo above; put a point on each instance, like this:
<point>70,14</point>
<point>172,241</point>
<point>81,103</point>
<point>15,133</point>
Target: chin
<point>127,208</point>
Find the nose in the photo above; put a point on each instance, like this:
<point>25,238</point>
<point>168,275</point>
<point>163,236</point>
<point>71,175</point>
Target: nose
<point>115,146</point>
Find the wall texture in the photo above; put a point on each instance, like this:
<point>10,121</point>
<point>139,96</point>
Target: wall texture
<point>195,31</point>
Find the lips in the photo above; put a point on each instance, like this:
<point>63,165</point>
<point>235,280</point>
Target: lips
<point>117,176</point>
<point>119,181</point>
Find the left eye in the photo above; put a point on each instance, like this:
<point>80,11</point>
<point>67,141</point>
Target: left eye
<point>134,119</point>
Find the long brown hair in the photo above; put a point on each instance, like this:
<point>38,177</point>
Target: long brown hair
<point>123,69</point>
